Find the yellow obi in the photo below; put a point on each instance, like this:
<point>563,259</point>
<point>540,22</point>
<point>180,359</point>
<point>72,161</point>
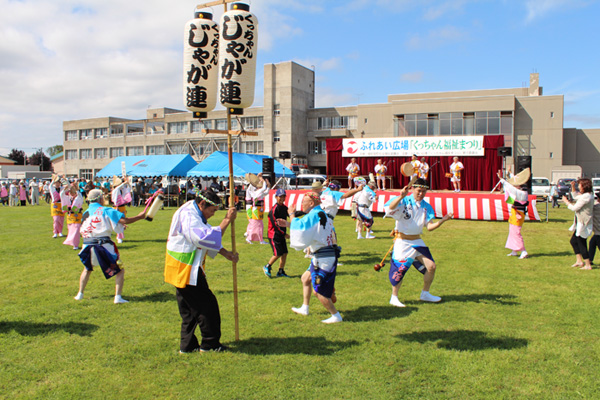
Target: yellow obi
<point>55,210</point>
<point>513,217</point>
<point>258,212</point>
<point>123,209</point>
<point>73,218</point>
<point>249,212</point>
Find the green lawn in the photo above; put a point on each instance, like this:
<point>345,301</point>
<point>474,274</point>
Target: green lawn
<point>506,328</point>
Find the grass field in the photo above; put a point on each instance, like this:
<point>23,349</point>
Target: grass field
<point>506,328</point>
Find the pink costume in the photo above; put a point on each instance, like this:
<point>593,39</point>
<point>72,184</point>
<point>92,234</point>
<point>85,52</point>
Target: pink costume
<point>255,229</point>
<point>22,193</point>
<point>121,196</point>
<point>58,218</point>
<point>72,206</point>
<point>518,199</point>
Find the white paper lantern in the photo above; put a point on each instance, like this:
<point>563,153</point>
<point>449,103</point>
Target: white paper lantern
<point>200,63</point>
<point>237,57</point>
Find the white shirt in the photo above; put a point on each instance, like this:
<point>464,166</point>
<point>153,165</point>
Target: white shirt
<point>411,216</point>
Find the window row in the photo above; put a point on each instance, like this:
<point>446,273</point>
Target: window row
<point>340,122</point>
<point>456,123</point>
<point>317,147</point>
<point>199,148</point>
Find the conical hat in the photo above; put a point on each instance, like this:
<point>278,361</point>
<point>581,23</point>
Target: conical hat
<point>55,178</point>
<point>253,179</point>
<point>521,178</point>
<point>407,169</point>
<point>116,181</point>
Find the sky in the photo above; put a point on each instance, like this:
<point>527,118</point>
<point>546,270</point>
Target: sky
<point>64,59</point>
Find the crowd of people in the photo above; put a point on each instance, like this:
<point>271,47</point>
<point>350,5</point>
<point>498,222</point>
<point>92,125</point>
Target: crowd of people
<point>310,229</point>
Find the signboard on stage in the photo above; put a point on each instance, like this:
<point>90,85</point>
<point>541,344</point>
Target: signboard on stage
<point>407,146</point>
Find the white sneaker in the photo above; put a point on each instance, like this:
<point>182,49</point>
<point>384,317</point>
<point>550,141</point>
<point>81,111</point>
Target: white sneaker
<point>60,235</point>
<point>75,248</point>
<point>514,253</point>
<point>333,319</point>
<point>301,310</point>
<point>55,236</point>
<point>119,240</point>
<point>369,236</point>
<point>263,242</point>
<point>359,236</point>
<point>79,296</point>
<point>396,303</point>
<point>120,300</point>
<point>426,296</point>
<point>523,255</point>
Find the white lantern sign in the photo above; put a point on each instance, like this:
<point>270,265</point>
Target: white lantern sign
<point>237,58</point>
<point>200,63</point>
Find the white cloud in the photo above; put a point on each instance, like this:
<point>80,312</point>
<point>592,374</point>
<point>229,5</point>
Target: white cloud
<point>320,64</point>
<point>539,8</point>
<point>436,11</point>
<point>436,38</point>
<point>413,77</point>
<point>326,97</point>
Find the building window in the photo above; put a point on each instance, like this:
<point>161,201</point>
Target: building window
<point>71,155</point>
<point>100,153</point>
<point>101,133</point>
<point>116,130</point>
<point>199,148</point>
<point>551,114</point>
<point>116,152</point>
<point>135,129</point>
<point>455,123</point>
<point>252,122</point>
<point>255,147</point>
<point>86,134</point>
<point>71,135</point>
<point>155,150</point>
<point>85,154</point>
<point>276,110</point>
<point>276,137</point>
<point>221,124</point>
<point>317,147</point>
<point>178,148</point>
<point>135,151</point>
<point>197,126</point>
<point>155,128</point>
<point>86,174</point>
<point>178,127</point>
<point>341,122</point>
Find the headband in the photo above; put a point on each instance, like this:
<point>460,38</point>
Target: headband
<point>314,197</point>
<point>334,186</point>
<point>212,203</point>
<point>421,185</point>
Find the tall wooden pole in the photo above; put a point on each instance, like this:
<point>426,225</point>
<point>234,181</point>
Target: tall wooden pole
<point>233,248</point>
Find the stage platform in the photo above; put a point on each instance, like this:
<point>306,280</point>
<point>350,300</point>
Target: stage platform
<point>465,205</point>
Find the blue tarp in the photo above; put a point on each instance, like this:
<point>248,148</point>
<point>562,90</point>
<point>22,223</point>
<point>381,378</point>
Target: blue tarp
<point>164,165</point>
<point>217,165</point>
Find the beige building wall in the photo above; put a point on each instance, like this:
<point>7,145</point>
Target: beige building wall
<point>581,148</point>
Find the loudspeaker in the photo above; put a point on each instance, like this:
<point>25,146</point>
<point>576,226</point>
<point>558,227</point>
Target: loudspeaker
<point>268,169</point>
<point>504,151</point>
<point>285,155</point>
<point>522,163</point>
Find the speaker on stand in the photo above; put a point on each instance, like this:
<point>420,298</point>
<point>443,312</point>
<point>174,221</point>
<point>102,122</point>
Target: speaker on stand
<point>283,155</point>
<point>524,162</point>
<point>268,169</point>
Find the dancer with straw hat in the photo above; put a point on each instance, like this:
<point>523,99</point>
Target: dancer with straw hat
<point>515,194</point>
<point>121,196</point>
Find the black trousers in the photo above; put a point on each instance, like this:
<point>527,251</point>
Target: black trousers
<point>579,245</point>
<point>594,243</point>
<point>198,306</point>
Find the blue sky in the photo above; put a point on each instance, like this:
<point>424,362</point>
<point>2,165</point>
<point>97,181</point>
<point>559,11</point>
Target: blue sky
<point>67,59</point>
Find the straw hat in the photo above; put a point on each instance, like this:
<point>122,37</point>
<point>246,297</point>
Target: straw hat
<point>253,179</point>
<point>521,178</point>
<point>116,181</point>
<point>316,185</point>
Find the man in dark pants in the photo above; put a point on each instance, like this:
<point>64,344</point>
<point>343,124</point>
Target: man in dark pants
<point>190,240</point>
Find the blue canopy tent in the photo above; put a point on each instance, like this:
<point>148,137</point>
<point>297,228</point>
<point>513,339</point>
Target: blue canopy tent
<point>217,165</point>
<point>146,166</point>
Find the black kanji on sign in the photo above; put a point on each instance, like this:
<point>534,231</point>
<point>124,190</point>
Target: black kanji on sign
<point>196,97</point>
<point>235,48</point>
<point>192,36</point>
<point>231,67</point>
<point>195,73</point>
<point>238,27</point>
<point>230,93</point>
<point>201,55</point>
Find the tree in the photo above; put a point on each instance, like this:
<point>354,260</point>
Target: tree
<point>18,156</point>
<point>54,150</point>
<point>41,159</point>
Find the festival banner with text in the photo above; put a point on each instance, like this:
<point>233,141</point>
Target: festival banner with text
<point>421,146</point>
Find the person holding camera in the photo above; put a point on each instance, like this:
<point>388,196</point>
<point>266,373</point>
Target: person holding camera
<point>582,203</point>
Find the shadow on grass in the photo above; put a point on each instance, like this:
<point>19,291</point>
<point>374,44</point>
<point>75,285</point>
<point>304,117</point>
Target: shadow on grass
<point>558,253</point>
<point>40,328</point>
<point>503,299</point>
<point>464,340</point>
<point>375,313</point>
<point>361,258</point>
<point>158,297</point>
<point>144,241</point>
<point>316,346</point>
